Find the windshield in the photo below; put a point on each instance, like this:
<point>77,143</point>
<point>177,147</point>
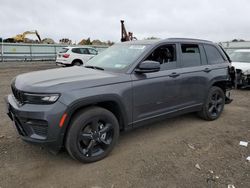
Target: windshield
<point>118,57</point>
<point>240,57</point>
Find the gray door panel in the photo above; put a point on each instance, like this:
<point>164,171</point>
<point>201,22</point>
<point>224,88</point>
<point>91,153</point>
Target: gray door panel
<point>193,84</point>
<point>194,79</point>
<point>153,94</point>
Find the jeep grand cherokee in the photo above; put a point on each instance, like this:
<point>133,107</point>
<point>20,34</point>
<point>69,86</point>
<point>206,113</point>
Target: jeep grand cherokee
<point>84,108</point>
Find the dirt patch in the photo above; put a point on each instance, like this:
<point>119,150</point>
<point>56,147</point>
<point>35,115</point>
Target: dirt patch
<point>163,154</point>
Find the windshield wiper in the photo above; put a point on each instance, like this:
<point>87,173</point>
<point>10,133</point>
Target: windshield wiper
<point>94,67</point>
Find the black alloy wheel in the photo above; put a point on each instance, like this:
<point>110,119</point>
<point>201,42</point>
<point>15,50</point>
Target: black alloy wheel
<point>92,135</point>
<point>95,137</point>
<point>214,104</point>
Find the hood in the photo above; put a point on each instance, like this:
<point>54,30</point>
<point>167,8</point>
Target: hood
<point>63,78</point>
<point>245,67</point>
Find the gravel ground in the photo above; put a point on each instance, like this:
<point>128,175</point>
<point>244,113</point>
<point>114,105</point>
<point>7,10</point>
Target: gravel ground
<point>163,154</point>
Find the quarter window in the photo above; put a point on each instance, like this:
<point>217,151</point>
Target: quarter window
<point>213,55</point>
<point>190,54</point>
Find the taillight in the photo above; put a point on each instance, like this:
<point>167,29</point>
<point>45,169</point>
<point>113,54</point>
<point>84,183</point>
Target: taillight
<point>65,55</point>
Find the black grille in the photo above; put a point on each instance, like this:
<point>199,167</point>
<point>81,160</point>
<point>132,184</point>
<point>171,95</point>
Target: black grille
<point>19,95</point>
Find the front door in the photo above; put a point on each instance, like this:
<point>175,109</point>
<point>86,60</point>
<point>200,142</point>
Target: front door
<point>155,94</point>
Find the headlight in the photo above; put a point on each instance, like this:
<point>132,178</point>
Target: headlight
<point>33,98</point>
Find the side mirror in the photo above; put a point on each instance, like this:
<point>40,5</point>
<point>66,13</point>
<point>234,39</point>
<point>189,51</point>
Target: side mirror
<point>148,66</point>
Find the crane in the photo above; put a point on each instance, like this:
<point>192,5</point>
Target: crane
<point>126,36</point>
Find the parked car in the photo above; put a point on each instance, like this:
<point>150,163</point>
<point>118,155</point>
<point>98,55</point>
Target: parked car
<point>241,61</point>
<point>75,55</point>
<point>127,85</point>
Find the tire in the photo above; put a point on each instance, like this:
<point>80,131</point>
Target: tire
<point>213,105</point>
<point>92,135</point>
<point>77,63</point>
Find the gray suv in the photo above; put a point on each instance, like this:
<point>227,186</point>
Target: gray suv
<point>84,108</point>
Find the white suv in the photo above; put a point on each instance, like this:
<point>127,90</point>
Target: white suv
<point>241,61</point>
<point>75,55</point>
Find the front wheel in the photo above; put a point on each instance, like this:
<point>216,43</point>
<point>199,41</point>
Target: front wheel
<point>214,104</point>
<point>92,135</point>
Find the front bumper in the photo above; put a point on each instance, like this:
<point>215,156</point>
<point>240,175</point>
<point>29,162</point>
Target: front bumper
<point>37,123</point>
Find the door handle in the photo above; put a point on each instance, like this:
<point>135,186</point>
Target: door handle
<point>207,70</point>
<point>174,74</point>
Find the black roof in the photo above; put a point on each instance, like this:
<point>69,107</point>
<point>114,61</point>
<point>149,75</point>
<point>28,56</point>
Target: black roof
<point>154,41</point>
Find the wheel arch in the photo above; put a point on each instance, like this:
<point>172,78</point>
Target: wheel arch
<point>110,102</point>
<point>75,60</point>
<point>223,84</point>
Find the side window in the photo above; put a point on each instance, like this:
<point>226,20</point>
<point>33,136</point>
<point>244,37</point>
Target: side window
<point>165,55</point>
<point>92,51</point>
<point>76,50</point>
<point>190,55</point>
<point>213,54</point>
<point>84,51</point>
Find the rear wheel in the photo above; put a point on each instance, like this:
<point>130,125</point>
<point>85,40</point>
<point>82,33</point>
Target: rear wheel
<point>92,135</point>
<point>214,104</point>
<point>77,63</point>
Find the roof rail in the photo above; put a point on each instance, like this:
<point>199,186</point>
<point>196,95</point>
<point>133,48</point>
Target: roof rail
<point>189,39</point>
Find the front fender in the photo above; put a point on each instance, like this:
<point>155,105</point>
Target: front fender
<point>91,101</point>
<point>94,100</point>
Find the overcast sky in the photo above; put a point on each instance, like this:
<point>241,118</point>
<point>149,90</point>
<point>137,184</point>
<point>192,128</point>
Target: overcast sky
<point>216,20</point>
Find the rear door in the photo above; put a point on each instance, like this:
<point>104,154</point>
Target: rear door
<point>194,74</point>
<point>85,56</point>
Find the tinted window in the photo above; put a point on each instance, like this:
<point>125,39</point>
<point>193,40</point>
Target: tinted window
<point>190,54</point>
<point>76,50</point>
<point>213,55</point>
<point>165,55</point>
<point>84,51</point>
<point>92,51</point>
